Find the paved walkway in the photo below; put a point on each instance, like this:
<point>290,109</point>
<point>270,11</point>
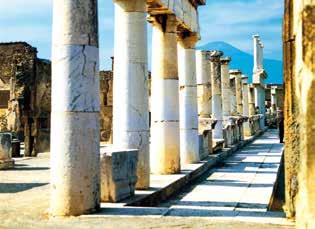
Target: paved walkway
<point>239,188</point>
<point>238,191</point>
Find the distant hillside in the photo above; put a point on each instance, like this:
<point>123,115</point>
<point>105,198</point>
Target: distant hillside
<point>244,61</point>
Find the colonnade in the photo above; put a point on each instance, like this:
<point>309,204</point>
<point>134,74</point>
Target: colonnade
<point>186,86</point>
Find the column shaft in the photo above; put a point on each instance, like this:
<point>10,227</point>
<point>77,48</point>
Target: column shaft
<point>239,95</point>
<point>274,104</point>
<point>217,93</point>
<point>226,90</point>
<point>165,144</point>
<point>233,103</point>
<point>251,101</point>
<point>130,87</point>
<point>75,133</point>
<point>256,53</point>
<point>245,91</point>
<point>204,90</point>
<point>189,140</point>
<point>260,103</point>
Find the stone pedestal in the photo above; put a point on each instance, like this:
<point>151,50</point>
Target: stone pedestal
<point>216,93</point>
<point>5,151</point>
<point>118,174</point>
<point>164,148</point>
<point>204,91</point>
<point>206,125</point>
<point>75,132</point>
<point>189,142</point>
<point>130,86</point>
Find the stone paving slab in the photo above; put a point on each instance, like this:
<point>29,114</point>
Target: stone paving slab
<point>239,189</point>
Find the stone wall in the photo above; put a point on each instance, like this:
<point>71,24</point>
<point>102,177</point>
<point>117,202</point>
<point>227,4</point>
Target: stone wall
<point>26,111</point>
<point>299,73</point>
<point>106,99</point>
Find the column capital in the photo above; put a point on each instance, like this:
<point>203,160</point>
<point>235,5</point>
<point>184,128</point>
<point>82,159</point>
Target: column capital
<point>188,39</point>
<point>244,79</point>
<point>256,36</point>
<point>215,56</point>
<point>225,60</point>
<point>235,72</point>
<point>166,22</point>
<point>132,6</point>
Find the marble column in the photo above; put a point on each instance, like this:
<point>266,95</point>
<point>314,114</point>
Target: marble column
<point>226,89</point>
<point>251,100</point>
<point>216,93</point>
<point>256,53</point>
<point>233,103</point>
<point>260,103</point>
<point>75,131</point>
<point>204,91</point>
<point>130,87</point>
<point>238,90</point>
<point>273,92</point>
<point>245,91</point>
<point>189,140</point>
<point>165,143</point>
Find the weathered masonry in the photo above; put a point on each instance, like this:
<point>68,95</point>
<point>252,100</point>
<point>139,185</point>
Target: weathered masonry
<point>299,76</point>
<point>25,84</point>
<point>191,113</point>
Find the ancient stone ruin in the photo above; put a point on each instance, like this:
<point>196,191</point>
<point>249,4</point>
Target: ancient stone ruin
<point>110,132</point>
<point>25,97</point>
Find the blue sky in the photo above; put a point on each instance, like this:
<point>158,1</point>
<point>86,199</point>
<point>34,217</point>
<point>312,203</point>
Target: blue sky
<point>232,21</point>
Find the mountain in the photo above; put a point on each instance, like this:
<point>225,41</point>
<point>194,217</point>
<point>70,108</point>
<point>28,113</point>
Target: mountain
<point>244,61</point>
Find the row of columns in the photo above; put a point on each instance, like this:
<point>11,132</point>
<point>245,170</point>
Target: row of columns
<point>177,89</point>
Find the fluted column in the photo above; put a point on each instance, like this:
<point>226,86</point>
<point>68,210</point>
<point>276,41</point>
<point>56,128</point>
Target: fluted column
<point>189,140</point>
<point>204,91</point>
<point>75,132</point>
<point>216,93</point>
<point>164,148</point>
<point>226,89</point>
<point>130,89</point>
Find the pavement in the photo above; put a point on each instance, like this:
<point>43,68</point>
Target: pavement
<point>232,195</point>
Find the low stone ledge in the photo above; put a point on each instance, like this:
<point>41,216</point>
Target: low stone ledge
<point>118,173</point>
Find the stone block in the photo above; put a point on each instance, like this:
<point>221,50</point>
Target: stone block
<point>5,151</point>
<point>16,148</point>
<point>118,173</point>
<point>205,144</point>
